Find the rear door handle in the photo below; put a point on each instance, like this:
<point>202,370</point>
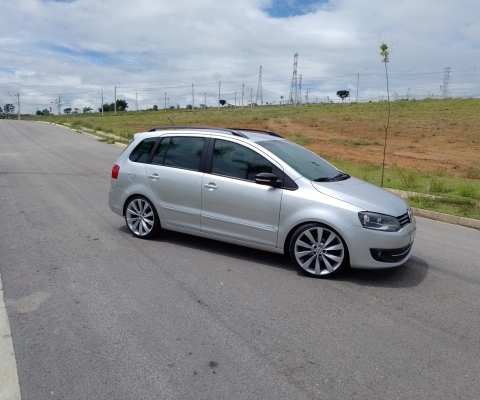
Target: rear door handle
<point>153,177</point>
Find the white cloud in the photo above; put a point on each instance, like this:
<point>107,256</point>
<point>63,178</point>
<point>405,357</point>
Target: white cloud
<point>150,47</point>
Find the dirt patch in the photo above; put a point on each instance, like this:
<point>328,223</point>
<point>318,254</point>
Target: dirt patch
<point>421,148</point>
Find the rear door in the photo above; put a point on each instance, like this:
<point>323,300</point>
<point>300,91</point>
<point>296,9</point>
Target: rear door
<point>175,178</point>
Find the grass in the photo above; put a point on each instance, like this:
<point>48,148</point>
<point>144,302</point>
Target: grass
<point>416,124</point>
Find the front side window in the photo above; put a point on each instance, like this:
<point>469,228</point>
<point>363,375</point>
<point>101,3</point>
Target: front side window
<point>143,149</point>
<point>236,161</point>
<point>184,152</point>
<point>303,161</point>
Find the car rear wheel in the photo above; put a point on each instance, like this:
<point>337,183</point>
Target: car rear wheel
<point>141,217</point>
<point>318,250</point>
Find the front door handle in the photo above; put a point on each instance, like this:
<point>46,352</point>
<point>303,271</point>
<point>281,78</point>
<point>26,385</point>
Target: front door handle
<point>211,186</point>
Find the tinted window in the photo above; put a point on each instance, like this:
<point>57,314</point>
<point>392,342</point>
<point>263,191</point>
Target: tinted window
<point>184,152</point>
<point>159,155</point>
<point>143,149</point>
<point>236,161</point>
<point>300,159</point>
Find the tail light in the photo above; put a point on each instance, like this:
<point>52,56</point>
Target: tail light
<point>115,171</point>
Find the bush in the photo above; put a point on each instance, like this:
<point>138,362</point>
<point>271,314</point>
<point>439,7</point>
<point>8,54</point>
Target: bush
<point>408,178</point>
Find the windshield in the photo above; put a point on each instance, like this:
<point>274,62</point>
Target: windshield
<point>303,161</point>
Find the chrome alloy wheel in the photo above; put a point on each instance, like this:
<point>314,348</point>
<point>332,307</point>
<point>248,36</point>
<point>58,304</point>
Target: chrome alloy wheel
<point>140,217</point>
<point>319,250</point>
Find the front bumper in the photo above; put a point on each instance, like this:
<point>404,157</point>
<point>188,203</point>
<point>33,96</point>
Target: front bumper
<point>364,246</point>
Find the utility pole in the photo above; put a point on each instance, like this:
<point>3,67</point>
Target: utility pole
<point>115,104</point>
<point>18,102</point>
<point>306,98</point>
<point>259,89</point>
<point>205,101</point>
<point>165,101</point>
<point>136,101</point>
<point>251,97</point>
<point>243,91</point>
<point>102,102</point>
<point>358,80</point>
<point>299,95</point>
<point>235,99</point>
<point>219,84</point>
<point>193,99</point>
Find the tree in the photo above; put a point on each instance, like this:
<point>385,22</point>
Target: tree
<point>45,112</point>
<point>343,94</point>
<point>67,110</point>
<point>1,110</point>
<point>281,99</point>
<point>188,107</point>
<point>38,112</point>
<point>122,105</point>
<point>8,109</point>
<point>75,111</point>
<point>155,107</point>
<point>385,59</point>
<point>223,102</point>
<point>87,110</point>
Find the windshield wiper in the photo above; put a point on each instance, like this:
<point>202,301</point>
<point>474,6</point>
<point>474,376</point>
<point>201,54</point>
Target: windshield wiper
<point>340,177</point>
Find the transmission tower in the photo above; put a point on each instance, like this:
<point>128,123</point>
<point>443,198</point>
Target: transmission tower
<point>293,87</point>
<point>259,89</point>
<point>446,80</point>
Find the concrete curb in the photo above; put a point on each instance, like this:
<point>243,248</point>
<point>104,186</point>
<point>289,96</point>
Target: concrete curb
<point>9,385</point>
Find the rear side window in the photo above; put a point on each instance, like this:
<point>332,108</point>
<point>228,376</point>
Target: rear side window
<point>143,149</point>
<point>184,152</point>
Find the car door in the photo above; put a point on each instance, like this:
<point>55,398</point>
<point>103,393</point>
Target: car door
<point>175,178</point>
<point>233,205</point>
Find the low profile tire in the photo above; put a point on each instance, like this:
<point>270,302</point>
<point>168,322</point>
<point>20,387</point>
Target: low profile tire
<point>141,218</point>
<point>318,250</point>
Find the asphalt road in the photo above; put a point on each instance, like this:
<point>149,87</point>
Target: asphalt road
<point>97,314</point>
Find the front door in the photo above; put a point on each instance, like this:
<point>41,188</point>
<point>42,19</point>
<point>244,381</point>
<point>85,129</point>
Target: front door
<point>233,205</point>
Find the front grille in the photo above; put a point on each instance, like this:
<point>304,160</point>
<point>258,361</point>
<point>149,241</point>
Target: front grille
<point>391,255</point>
<point>404,219</point>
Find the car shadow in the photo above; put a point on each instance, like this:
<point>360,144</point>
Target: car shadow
<point>412,273</point>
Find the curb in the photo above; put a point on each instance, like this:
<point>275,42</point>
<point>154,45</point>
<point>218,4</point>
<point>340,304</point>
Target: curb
<point>418,212</point>
<point>9,384</point>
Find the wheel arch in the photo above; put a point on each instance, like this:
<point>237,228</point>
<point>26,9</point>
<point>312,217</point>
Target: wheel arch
<point>286,243</point>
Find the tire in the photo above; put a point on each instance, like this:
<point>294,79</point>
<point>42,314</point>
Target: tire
<point>141,217</point>
<point>318,250</point>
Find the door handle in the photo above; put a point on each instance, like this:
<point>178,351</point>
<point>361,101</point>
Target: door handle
<point>211,186</point>
<point>153,176</point>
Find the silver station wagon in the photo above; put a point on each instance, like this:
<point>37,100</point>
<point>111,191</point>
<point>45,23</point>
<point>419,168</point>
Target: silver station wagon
<point>256,189</point>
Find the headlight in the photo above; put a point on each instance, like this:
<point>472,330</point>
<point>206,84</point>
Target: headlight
<point>379,222</point>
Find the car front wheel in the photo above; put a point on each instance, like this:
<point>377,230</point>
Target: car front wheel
<point>141,217</point>
<point>318,250</point>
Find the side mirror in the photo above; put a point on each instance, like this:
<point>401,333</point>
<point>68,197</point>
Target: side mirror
<point>268,179</point>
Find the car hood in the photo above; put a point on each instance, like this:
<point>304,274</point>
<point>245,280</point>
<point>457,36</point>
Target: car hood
<point>363,195</point>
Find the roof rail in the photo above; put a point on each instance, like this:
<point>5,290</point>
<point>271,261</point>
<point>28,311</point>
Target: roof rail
<point>257,131</point>
<point>223,130</point>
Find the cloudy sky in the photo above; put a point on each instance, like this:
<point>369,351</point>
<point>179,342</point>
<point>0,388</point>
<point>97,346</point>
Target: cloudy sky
<point>154,50</point>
